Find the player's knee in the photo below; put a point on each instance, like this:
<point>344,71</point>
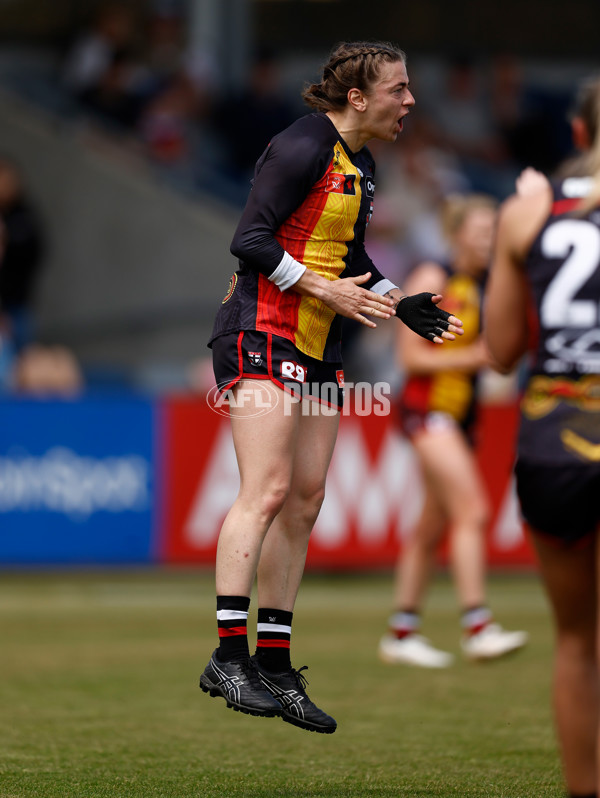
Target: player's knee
<point>483,514</point>
<point>316,496</point>
<point>577,643</point>
<point>273,499</point>
<point>309,499</point>
<point>474,513</point>
<point>428,544</point>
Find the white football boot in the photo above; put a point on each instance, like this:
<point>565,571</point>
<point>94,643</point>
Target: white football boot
<point>414,649</point>
<point>491,642</point>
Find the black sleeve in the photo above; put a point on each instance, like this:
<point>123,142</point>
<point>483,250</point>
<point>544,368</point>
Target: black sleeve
<point>361,263</point>
<point>284,175</point>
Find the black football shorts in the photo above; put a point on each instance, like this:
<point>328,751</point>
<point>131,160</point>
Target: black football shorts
<point>249,354</point>
<point>559,501</point>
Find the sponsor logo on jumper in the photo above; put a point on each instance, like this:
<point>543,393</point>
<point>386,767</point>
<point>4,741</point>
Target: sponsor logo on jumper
<point>577,186</point>
<point>255,358</point>
<point>370,187</point>
<point>340,184</point>
<point>339,375</point>
<point>573,349</point>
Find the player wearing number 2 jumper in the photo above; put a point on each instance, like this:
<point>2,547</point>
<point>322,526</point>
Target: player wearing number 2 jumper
<point>300,243</point>
<point>548,251</point>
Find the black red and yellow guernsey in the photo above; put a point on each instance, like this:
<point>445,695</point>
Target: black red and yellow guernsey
<point>312,197</point>
<point>452,392</point>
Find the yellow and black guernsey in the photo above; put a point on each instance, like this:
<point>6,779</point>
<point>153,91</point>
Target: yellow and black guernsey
<point>312,198</point>
<point>451,391</point>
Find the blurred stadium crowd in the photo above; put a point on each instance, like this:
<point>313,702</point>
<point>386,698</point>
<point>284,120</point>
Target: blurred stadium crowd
<point>138,82</point>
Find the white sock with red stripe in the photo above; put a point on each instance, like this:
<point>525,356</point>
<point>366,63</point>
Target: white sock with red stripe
<point>404,623</point>
<point>273,635</point>
<point>475,619</point>
<point>232,620</point>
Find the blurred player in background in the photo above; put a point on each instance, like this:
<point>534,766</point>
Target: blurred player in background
<point>548,251</point>
<point>303,265</point>
<point>437,411</point>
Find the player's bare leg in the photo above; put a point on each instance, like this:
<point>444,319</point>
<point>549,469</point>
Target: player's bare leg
<point>571,581</point>
<point>403,643</point>
<point>282,564</point>
<point>284,549</point>
<point>414,566</point>
<point>264,445</point>
<point>451,470</point>
<point>449,464</point>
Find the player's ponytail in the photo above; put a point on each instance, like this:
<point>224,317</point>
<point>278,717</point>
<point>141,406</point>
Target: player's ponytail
<point>587,109</point>
<point>351,65</point>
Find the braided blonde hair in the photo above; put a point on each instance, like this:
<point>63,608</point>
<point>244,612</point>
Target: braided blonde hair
<point>351,65</point>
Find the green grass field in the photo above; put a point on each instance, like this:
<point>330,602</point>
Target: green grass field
<point>99,696</point>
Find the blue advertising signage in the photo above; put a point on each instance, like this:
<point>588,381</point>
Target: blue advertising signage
<point>77,481</point>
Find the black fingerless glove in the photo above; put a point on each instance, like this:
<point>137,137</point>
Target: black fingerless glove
<point>422,316</point>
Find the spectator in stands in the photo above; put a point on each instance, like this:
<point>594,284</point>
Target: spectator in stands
<point>47,371</point>
<point>246,120</point>
<point>174,124</point>
<point>164,40</point>
<point>528,119</point>
<point>462,124</point>
<point>167,123</point>
<point>101,71</point>
<point>181,90</point>
<point>412,185</point>
<point>21,255</point>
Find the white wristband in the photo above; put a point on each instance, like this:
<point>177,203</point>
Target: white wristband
<point>287,273</point>
<point>382,287</point>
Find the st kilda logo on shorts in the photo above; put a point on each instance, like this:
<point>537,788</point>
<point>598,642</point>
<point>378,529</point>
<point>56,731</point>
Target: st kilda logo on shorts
<point>255,358</point>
